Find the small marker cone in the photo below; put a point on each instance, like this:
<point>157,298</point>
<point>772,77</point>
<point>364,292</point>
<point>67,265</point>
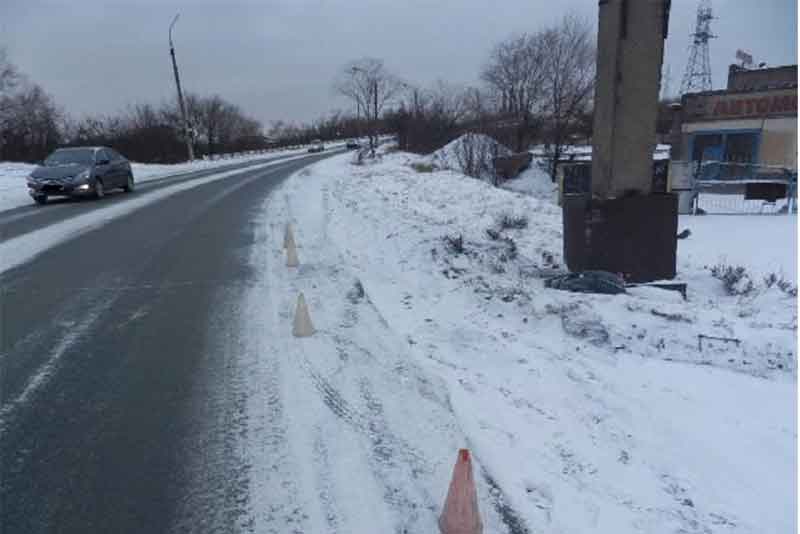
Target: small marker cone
<point>460,514</point>
<point>302,320</point>
<point>288,237</point>
<point>291,255</point>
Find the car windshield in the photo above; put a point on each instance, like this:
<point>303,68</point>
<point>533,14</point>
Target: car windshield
<point>70,157</point>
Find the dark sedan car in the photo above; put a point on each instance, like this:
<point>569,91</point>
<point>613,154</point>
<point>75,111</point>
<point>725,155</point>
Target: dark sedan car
<point>73,172</point>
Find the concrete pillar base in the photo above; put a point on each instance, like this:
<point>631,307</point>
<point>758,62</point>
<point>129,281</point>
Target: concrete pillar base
<point>635,236</point>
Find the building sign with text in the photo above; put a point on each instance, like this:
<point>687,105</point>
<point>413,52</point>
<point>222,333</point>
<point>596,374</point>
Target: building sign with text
<point>721,106</point>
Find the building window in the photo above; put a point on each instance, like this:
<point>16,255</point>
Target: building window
<point>741,147</point>
<point>735,147</point>
<point>707,147</point>
<point>725,155</point>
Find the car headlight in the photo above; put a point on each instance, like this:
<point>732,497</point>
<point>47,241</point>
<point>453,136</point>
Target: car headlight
<point>82,187</point>
<point>84,175</point>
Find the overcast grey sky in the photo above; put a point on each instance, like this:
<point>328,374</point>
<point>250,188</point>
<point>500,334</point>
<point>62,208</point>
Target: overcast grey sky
<point>277,58</point>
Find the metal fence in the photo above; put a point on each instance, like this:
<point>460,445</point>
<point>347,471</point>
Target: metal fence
<point>734,188</point>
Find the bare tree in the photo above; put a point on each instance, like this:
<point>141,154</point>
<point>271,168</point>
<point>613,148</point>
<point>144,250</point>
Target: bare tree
<point>371,87</point>
<point>9,77</point>
<point>569,82</point>
<point>30,124</point>
<point>516,76</point>
<point>515,71</point>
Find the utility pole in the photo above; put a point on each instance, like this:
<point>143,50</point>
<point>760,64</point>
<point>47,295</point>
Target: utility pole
<point>186,127</point>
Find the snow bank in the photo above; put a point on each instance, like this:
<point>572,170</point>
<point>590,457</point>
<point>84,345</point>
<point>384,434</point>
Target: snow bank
<point>584,412</point>
<point>13,189</point>
<point>534,181</point>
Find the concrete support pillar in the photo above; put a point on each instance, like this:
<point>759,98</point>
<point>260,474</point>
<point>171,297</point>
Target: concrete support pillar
<point>630,54</point>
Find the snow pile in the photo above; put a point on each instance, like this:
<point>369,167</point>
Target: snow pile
<point>470,154</point>
<point>631,413</point>
<point>534,181</point>
<point>13,188</point>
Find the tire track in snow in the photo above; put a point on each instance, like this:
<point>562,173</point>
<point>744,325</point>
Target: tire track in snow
<point>389,454</point>
<point>351,396</point>
<point>274,494</point>
<point>325,486</point>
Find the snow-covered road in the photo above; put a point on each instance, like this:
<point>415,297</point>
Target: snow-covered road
<point>584,413</point>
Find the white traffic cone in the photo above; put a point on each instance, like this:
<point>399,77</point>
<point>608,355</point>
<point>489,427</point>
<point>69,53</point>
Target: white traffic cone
<point>302,320</point>
<point>288,236</point>
<point>460,514</point>
<point>291,255</point>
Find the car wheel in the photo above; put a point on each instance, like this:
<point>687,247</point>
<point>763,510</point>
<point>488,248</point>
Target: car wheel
<point>99,190</point>
<point>129,185</point>
<point>40,199</point>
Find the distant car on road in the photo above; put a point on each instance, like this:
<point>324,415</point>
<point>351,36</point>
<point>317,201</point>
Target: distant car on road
<point>316,146</point>
<point>352,144</point>
<point>83,171</point>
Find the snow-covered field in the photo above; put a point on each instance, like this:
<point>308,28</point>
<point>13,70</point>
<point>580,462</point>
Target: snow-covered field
<point>14,192</point>
<point>584,413</point>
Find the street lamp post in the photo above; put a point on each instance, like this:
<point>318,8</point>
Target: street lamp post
<point>187,129</point>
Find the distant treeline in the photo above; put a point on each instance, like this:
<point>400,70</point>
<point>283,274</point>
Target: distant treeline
<point>32,124</point>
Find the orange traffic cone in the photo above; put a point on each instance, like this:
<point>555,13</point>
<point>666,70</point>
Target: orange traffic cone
<point>291,255</point>
<point>288,236</point>
<point>461,514</point>
<point>302,320</point>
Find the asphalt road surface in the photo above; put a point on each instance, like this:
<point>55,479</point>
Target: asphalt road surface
<point>108,383</point>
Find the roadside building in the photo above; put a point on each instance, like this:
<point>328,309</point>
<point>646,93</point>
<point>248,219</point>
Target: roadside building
<point>753,121</point>
<point>742,139</point>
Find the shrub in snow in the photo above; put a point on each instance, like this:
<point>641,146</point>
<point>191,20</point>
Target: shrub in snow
<point>356,293</point>
<point>493,234</point>
<point>511,252</point>
<point>454,243</point>
<point>471,154</point>
<point>422,167</point>
<point>508,221</point>
<point>736,280</point>
<point>774,280</point>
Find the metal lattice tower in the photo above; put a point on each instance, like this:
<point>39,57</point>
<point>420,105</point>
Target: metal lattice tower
<point>698,71</point>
